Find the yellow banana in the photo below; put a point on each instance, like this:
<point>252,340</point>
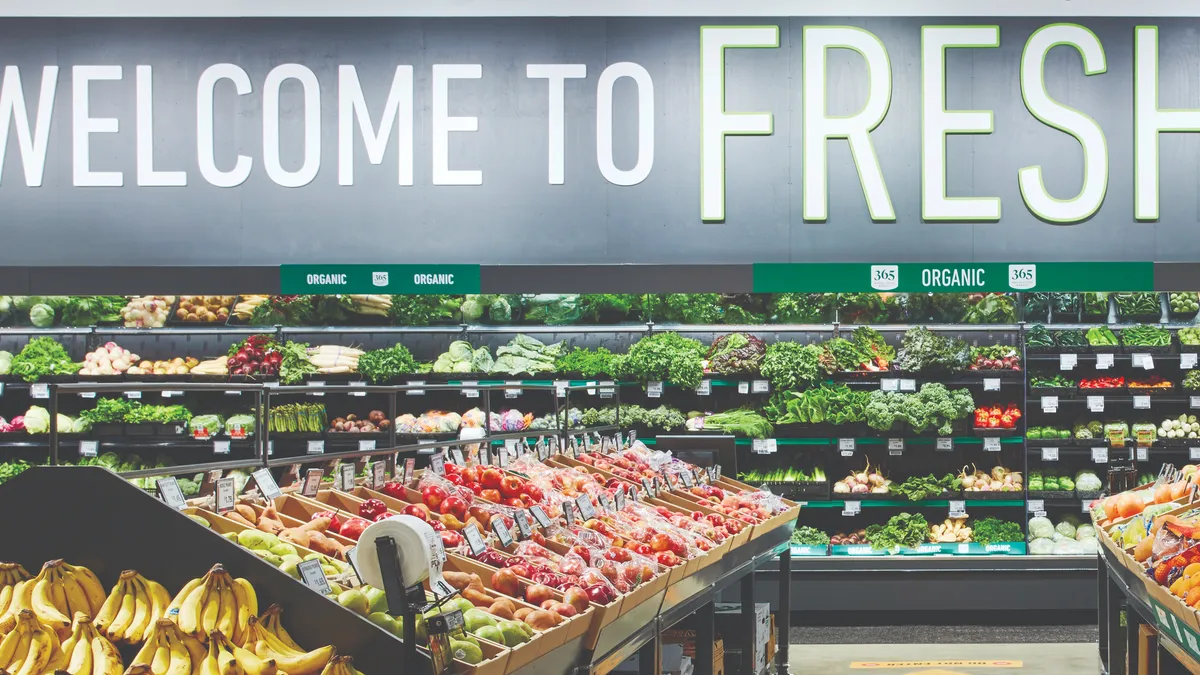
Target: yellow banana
<point>195,647</point>
<point>177,602</point>
<point>81,631</point>
<point>248,660</point>
<point>21,651</point>
<point>227,614</point>
<point>116,630</point>
<point>141,611</point>
<point>209,664</point>
<point>106,660</point>
<point>162,658</point>
<point>189,611</point>
<point>40,651</point>
<point>76,599</point>
<point>159,601</point>
<point>247,600</point>
<point>108,611</point>
<point>289,661</point>
<point>274,625</point>
<point>226,662</point>
<point>180,661</point>
<point>58,592</point>
<point>80,662</point>
<point>90,583</point>
<point>139,669</point>
<point>6,595</point>
<point>8,648</point>
<point>211,607</point>
<point>43,605</point>
<point>146,654</point>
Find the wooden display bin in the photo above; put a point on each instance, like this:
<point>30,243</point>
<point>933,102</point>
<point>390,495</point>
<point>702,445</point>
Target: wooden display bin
<point>573,626</point>
<point>677,503</point>
<point>300,510</point>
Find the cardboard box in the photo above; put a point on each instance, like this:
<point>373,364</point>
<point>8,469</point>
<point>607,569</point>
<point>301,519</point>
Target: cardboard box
<point>759,636</point>
<point>678,654</point>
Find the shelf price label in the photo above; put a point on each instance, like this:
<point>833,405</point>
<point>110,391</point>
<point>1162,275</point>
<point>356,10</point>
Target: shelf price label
<point>1187,361</point>
<point>1194,402</point>
<point>846,446</point>
<point>1100,455</point>
<point>991,384</point>
<point>220,447</point>
<point>1143,454</point>
<point>560,388</point>
<point>650,489</point>
<point>267,486</point>
<point>704,388</point>
<point>895,446</point>
<point>316,447</point>
<point>1049,404</point>
<point>607,389</point>
<point>474,539</point>
<point>539,515</point>
<point>1067,361</point>
<point>169,492</point>
<point>889,384</point>
<point>470,392</point>
<point>944,444</point>
<point>524,530</point>
<point>456,455</point>
<point>415,392</point>
<point>346,474</point>
<point>1037,507</point>
<point>568,511</point>
<point>366,446</point>
<point>585,507</point>
<point>1049,454</point>
<point>1193,453</point>
<point>1104,361</point>
<point>312,482</point>
<point>133,394</point>
<point>851,508</point>
<point>1144,361</point>
<point>225,495</point>
<point>82,394</point>
<point>991,444</point>
<point>410,465</point>
<point>41,390</point>
<point>502,532</point>
<point>1141,402</point>
<point>654,389</point>
<point>760,387</point>
<point>313,576</point>
<point>88,448</point>
<point>1095,404</point>
<point>958,508</point>
<point>908,384</point>
<point>512,389</point>
<point>743,387</point>
<point>437,464</point>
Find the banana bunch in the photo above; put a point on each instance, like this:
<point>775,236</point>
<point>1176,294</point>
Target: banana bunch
<point>340,665</point>
<point>87,652</point>
<point>54,595</point>
<point>268,646</point>
<point>167,651</point>
<point>12,576</point>
<point>226,658</point>
<point>134,605</point>
<point>215,601</point>
<point>31,648</point>
<point>271,621</point>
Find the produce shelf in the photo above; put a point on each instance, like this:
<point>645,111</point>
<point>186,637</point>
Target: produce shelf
<point>901,503</point>
<point>875,440</point>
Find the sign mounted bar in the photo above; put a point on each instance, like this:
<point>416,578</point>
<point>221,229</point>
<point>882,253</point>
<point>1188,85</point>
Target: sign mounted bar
<point>382,279</point>
<point>968,277</point>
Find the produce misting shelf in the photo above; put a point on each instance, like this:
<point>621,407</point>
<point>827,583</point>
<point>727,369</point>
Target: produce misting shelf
<point>876,440</point>
<point>901,503</point>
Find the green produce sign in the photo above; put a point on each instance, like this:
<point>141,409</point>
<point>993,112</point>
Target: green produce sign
<point>1175,628</point>
<point>380,279</point>
<point>952,277</point>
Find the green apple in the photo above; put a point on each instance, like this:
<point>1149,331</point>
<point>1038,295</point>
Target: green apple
<point>355,601</point>
<point>385,622</point>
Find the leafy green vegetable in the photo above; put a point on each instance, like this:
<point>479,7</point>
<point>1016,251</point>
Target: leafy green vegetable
<point>736,353</point>
<point>992,308</point>
<point>524,354</point>
<point>587,362</point>
<point>295,365</point>
<point>992,530</point>
<point>904,529</point>
<point>422,310</point>
<point>609,307</point>
<point>108,411</point>
<point>809,536</point>
<point>1039,337</point>
<point>42,356</point>
<point>738,422</point>
<point>921,349</point>
<point>789,365</point>
<point>803,307</point>
<point>1192,380</point>
<point>1095,304</point>
<point>5,362</point>
<point>159,414</point>
<point>1189,336</point>
<point>663,356</point>
<point>91,310</point>
<point>834,404</point>
<point>1070,338</point>
<point>663,417</point>
<point>11,469</point>
<point>917,488</point>
<point>871,343</point>
<point>381,365</point>
<point>932,406</point>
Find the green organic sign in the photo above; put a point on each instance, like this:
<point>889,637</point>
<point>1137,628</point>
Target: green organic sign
<point>380,279</point>
<point>1176,629</point>
<point>952,277</point>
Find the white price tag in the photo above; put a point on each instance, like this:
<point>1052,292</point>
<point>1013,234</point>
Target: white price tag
<point>225,495</point>
<point>772,446</point>
<point>1095,403</point>
<point>704,388</point>
<point>437,464</point>
<point>895,444</point>
<point>1067,361</point>
<point>313,576</point>
<point>82,394</point>
<point>312,482</point>
<point>378,475</point>
<point>607,389</point>
<point>654,389</point>
<point>944,444</point>
<point>235,392</point>
<point>889,384</point>
<point>991,444</point>
<point>1049,404</point>
<point>410,465</point>
<point>852,508</point>
<point>346,472</point>
<point>743,387</point>
<point>474,539</point>
<point>366,446</point>
<point>133,394</point>
<point>220,447</point>
<point>1143,454</point>
<point>1049,454</point>
<point>502,533</point>
<point>991,384</point>
<point>316,447</point>
<point>456,456</point>
<point>1193,453</point>
<point>415,392</point>
<point>469,392</point>
<point>958,508</point>
<point>39,390</point>
<point>908,385</point>
<point>758,446</point>
<point>585,507</point>
<point>88,448</point>
<point>267,486</point>
<point>1146,361</point>
<point>760,387</point>
<point>512,389</point>
<point>1036,505</point>
<point>1187,361</point>
<point>1104,361</point>
<point>1194,402</point>
<point>362,394</point>
<point>846,444</point>
<point>1141,402</point>
<point>1100,455</point>
<point>1084,505</point>
<point>539,515</point>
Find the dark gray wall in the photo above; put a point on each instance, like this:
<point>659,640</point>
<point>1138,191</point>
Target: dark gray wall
<point>516,216</point>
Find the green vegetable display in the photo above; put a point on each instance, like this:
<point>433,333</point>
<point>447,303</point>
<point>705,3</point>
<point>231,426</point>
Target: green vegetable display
<point>1040,305</point>
<point>525,355</point>
<point>664,417</point>
<point>1070,338</point>
<point>91,310</point>
<point>736,353</point>
<point>1137,304</point>
<point>738,422</point>
<point>992,308</point>
<point>663,357</point>
<point>809,536</point>
<point>382,365</point>
<point>41,357</point>
<point>586,362</point>
<point>993,530</point>
<point>1146,336</point>
<point>1101,336</point>
<point>789,365</point>
<point>834,404</point>
<point>296,417</point>
<point>922,350</point>
<point>460,357</point>
<point>11,469</point>
<point>1191,381</point>
<point>1039,337</point>
<point>5,362</point>
<point>916,488</point>
<point>295,365</point>
<point>157,414</point>
<point>1054,381</point>
<point>1047,434</point>
<point>1183,303</point>
<point>1095,304</point>
<point>783,475</point>
<point>1189,336</point>
<point>803,307</point>
<point>933,406</point>
<point>902,530</point>
<point>610,308</point>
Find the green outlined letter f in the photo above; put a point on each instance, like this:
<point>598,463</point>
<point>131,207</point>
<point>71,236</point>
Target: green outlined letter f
<point>715,123</point>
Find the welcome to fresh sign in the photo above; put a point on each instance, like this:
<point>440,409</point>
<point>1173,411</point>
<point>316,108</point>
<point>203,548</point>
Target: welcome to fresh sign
<point>644,130</point>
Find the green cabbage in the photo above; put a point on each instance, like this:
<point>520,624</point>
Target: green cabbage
<point>1066,529</point>
<point>37,420</point>
<point>1040,527</point>
<point>5,362</point>
<point>41,316</point>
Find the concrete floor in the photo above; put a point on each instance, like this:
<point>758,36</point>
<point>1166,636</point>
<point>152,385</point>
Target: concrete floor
<point>945,659</point>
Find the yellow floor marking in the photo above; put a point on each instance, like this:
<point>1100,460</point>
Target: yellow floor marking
<point>935,664</point>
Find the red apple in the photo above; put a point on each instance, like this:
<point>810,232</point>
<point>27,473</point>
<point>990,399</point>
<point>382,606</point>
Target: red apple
<point>582,552</point>
<point>660,542</point>
<point>510,486</point>
<point>491,478</point>
<point>514,502</point>
<point>471,474</point>
<point>335,523</point>
<point>577,598</point>
<point>353,528</point>
<point>534,492</point>
<point>395,490</point>
<point>521,570</point>
<point>618,555</point>
<point>538,538</point>
<point>475,487</point>
<point>433,495</point>
<point>490,495</point>
<point>666,558</point>
<point>455,506</point>
<point>643,549</point>
<point>451,539</point>
<point>454,478</point>
<point>564,610</point>
<point>505,581</point>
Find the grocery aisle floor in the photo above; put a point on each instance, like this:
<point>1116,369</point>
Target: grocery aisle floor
<point>943,650</point>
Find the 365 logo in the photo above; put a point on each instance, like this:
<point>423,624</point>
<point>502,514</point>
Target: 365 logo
<point>379,278</point>
<point>1022,277</point>
<point>885,277</point>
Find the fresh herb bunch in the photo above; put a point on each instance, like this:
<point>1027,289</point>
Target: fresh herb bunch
<point>739,422</point>
<point>809,536</point>
<point>689,308</point>
<point>1191,381</point>
<point>803,307</point>
<point>843,355</point>
<point>108,411</point>
<point>157,414</point>
<point>42,356</point>
<point>292,310</point>
<point>906,529</point>
<point>295,365</point>
<point>663,356</point>
<point>381,365</point>
<point>11,469</point>
<point>921,349</point>
<point>736,353</point>
<point>789,365</point>
<point>916,488</point>
<point>587,362</point>
<point>992,530</point>
<point>422,310</point>
<point>91,310</point>
<point>610,307</point>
